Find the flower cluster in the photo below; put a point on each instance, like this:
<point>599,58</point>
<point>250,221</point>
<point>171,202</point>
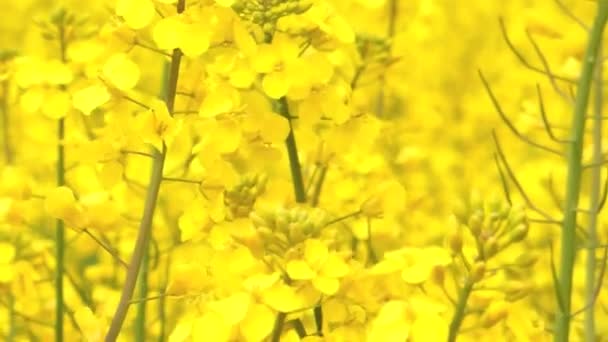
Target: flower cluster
<point>275,170</point>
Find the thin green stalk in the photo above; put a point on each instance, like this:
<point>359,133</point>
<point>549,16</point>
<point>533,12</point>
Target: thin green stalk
<point>575,168</point>
<point>60,228</point>
<point>140,319</point>
<point>459,312</point>
<point>6,139</point>
<point>392,18</point>
<point>11,318</point>
<point>594,202</point>
<point>299,192</point>
<point>59,240</point>
<point>162,316</point>
<point>145,227</point>
<point>292,151</point>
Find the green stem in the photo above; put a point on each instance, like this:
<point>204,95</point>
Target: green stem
<point>594,200</point>
<point>6,140</point>
<point>316,195</point>
<point>145,227</point>
<point>392,18</point>
<point>60,228</point>
<point>575,168</point>
<point>140,319</point>
<point>11,318</point>
<point>292,152</point>
<point>459,312</point>
<point>162,316</point>
<point>278,327</point>
<point>60,240</point>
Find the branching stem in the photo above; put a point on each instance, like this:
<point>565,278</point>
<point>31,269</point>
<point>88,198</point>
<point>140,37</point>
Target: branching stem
<point>575,168</point>
<point>460,312</point>
<point>145,227</point>
<point>594,204</point>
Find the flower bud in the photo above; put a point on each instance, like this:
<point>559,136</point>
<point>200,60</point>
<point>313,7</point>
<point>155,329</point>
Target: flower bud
<point>478,271</point>
<point>518,233</point>
<point>438,275</point>
<point>496,312</point>
<point>490,247</point>
<point>455,241</point>
<point>475,223</point>
<point>526,259</point>
<point>515,290</point>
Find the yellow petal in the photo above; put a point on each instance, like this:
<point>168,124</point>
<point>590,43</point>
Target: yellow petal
<point>32,100</point>
<point>328,286</point>
<point>56,104</point>
<point>274,128</point>
<point>92,327</point>
<point>334,266</point>
<point>195,39</point>
<point>243,39</point>
<point>315,253</point>
<point>121,71</point>
<point>258,324</point>
<point>211,327</point>
<point>136,13</point>
<point>90,98</point>
<point>299,270</point>
<point>182,331</point>
<point>283,298</point>
<point>232,309</point>
<point>275,85</point>
<point>57,73</point>
<point>7,253</point>
<point>221,99</point>
<point>225,3</point>
<point>167,33</point>
<point>59,202</point>
<point>266,59</point>
<point>187,279</point>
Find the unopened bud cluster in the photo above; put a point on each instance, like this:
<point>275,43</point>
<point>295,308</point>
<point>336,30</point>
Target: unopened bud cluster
<point>373,49</point>
<point>282,229</point>
<point>240,199</point>
<point>66,26</point>
<point>494,225</point>
<point>266,12</point>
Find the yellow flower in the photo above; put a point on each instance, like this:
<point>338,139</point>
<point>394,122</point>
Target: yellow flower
<point>61,204</point>
<point>192,37</point>
<point>157,126</point>
<point>320,266</point>
<point>280,65</point>
<point>415,264</point>
<point>187,278</point>
<point>90,98</point>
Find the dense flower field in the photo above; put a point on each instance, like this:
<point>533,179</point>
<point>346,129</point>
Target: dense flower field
<point>315,170</point>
